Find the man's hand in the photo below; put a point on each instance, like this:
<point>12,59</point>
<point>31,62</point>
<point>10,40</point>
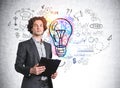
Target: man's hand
<point>37,70</point>
<point>53,76</point>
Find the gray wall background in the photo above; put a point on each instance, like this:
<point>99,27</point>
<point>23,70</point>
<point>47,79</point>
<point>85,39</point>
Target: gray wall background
<point>108,10</point>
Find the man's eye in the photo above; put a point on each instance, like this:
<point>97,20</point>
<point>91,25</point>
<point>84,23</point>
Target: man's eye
<point>35,25</point>
<point>41,25</point>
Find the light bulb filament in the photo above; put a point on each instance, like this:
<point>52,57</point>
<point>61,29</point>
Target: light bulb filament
<point>60,34</point>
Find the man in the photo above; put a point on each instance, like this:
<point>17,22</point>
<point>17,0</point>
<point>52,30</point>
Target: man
<point>29,54</point>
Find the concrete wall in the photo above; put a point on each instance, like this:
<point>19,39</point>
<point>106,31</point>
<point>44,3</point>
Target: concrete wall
<point>96,69</point>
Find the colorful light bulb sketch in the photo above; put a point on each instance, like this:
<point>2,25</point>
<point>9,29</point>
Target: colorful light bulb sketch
<point>60,31</point>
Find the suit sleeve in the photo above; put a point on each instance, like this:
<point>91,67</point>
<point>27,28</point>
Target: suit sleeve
<point>20,60</point>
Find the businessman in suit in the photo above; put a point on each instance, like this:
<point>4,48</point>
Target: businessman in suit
<point>29,53</point>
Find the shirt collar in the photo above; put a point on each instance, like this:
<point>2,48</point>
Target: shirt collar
<point>37,41</point>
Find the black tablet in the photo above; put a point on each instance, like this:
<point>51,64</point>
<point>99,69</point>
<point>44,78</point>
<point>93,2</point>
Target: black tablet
<point>50,64</point>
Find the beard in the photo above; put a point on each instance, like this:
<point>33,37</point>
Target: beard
<point>38,34</point>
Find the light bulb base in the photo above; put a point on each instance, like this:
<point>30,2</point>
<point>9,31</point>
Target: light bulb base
<point>60,51</point>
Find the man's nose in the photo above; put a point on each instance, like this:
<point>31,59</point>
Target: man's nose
<point>38,26</point>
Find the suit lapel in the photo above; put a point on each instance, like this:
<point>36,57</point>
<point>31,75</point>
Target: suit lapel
<point>45,46</point>
<point>35,51</point>
<point>45,49</point>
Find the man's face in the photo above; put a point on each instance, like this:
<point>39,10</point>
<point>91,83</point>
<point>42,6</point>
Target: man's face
<point>38,28</point>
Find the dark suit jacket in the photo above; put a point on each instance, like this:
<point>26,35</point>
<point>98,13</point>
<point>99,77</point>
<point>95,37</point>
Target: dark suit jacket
<point>27,57</point>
